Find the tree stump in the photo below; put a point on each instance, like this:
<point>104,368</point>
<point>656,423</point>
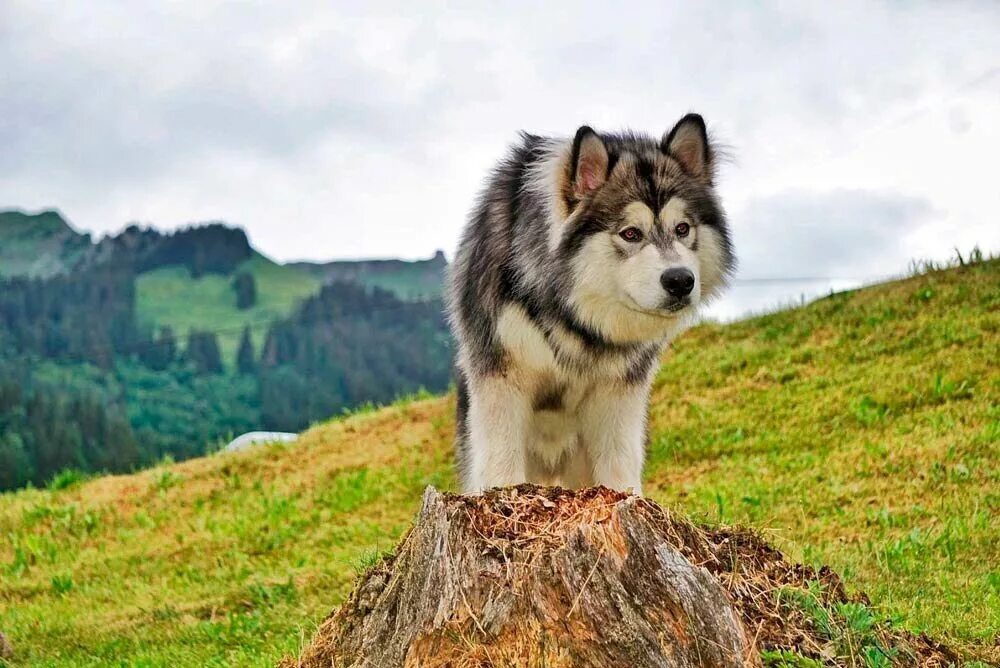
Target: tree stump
<point>532,576</point>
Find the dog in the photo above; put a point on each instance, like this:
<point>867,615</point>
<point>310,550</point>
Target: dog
<point>581,260</point>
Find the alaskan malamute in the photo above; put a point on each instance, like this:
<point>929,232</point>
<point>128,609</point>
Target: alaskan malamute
<point>581,260</point>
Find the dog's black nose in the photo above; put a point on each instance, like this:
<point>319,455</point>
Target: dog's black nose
<point>678,282</point>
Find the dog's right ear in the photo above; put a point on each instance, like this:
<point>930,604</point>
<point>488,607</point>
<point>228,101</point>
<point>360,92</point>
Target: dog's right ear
<point>589,164</point>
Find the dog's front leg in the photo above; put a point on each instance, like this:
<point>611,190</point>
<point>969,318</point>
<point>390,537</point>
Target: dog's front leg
<point>499,414</point>
<point>613,421</point>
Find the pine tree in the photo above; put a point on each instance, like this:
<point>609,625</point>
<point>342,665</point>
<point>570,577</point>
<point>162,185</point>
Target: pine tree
<point>203,352</point>
<point>245,360</point>
<point>161,353</point>
<point>168,346</point>
<point>15,464</point>
<point>246,290</point>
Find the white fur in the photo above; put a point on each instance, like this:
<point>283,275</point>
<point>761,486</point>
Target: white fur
<point>553,435</point>
<point>673,212</point>
<point>619,299</point>
<point>710,252</point>
<point>544,179</point>
<point>523,340</point>
<point>598,295</point>
<point>613,420</point>
<point>639,215</point>
<point>596,436</point>
<point>499,414</point>
<point>639,277</point>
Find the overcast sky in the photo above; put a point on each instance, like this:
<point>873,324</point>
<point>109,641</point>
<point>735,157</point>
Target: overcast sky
<point>862,135</point>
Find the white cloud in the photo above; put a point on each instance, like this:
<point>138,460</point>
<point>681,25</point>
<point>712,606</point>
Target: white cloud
<point>798,245</point>
<point>853,234</point>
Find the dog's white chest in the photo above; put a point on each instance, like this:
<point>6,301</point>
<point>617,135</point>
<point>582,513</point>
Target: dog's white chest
<point>524,342</point>
<point>555,393</point>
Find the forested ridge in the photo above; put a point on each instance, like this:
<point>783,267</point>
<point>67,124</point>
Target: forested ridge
<point>86,385</point>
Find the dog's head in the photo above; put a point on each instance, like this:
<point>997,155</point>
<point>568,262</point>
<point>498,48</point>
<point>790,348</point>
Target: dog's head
<point>642,234</point>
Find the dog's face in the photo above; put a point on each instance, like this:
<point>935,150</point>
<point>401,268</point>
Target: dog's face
<point>644,239</point>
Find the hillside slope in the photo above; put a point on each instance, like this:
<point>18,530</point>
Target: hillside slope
<point>169,296</point>
<point>862,431</point>
<point>38,245</point>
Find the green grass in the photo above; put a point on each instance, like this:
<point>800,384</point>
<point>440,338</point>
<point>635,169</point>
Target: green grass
<point>862,432</point>
<point>170,297</point>
<point>66,479</point>
<point>851,629</point>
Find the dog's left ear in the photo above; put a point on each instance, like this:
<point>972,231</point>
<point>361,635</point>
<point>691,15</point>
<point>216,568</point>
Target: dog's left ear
<point>688,144</point>
<point>589,163</point>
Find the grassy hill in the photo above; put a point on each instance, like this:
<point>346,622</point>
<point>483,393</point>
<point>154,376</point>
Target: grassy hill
<point>169,296</point>
<point>861,431</point>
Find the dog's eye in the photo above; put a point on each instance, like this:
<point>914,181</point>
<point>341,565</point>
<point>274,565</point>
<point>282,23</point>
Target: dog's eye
<point>682,229</point>
<point>632,234</point>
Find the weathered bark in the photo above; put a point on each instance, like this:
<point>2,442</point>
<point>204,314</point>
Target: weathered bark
<point>533,576</point>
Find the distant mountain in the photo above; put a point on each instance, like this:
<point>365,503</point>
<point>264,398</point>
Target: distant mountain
<point>44,244</point>
<point>418,279</point>
<point>184,279</point>
<point>148,344</point>
<point>208,248</point>
<point>38,245</point>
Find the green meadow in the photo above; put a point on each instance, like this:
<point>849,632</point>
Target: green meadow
<point>169,296</point>
<point>861,431</point>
